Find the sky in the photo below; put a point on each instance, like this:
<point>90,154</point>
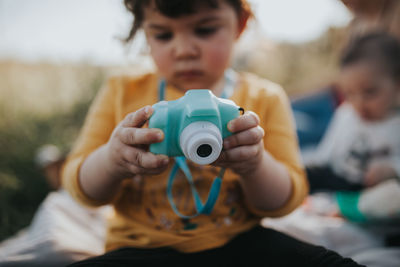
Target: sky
<point>90,30</point>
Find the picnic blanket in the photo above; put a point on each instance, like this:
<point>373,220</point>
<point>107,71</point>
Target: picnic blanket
<point>61,232</point>
<point>365,243</point>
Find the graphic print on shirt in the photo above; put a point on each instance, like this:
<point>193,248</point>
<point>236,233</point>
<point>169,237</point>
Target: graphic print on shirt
<point>156,209</point>
<point>361,154</point>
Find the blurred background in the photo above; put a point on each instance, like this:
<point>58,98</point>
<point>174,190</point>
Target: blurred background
<point>55,54</point>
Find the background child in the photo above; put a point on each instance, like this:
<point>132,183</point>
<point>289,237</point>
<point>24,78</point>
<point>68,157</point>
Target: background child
<point>362,146</point>
<point>191,43</point>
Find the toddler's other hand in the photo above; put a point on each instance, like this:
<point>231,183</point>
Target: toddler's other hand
<point>243,151</point>
<point>378,172</point>
<point>127,148</point>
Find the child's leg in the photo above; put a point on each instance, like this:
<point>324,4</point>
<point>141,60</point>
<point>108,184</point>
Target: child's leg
<point>322,178</point>
<point>259,246</point>
<point>132,257</point>
<point>270,247</point>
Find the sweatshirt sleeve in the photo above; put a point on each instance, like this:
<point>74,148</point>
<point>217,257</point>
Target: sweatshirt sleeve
<point>281,142</point>
<point>332,137</point>
<point>99,124</point>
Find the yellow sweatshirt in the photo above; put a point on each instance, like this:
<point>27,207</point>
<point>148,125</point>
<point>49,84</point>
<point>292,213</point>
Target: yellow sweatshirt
<point>143,217</point>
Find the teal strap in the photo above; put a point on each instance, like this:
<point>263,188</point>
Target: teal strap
<point>348,205</point>
<point>161,90</point>
<point>180,163</point>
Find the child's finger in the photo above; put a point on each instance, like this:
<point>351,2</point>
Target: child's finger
<point>244,122</point>
<point>249,137</point>
<point>240,153</point>
<point>140,136</point>
<point>138,118</point>
<point>144,160</point>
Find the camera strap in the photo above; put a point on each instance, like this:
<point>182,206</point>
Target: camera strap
<point>180,162</point>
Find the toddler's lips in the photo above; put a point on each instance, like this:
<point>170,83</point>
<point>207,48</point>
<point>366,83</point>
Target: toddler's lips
<point>191,74</point>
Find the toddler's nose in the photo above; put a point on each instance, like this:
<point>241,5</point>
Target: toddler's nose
<point>185,48</point>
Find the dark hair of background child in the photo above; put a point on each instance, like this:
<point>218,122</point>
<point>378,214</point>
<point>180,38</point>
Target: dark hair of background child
<point>177,8</point>
<point>378,48</point>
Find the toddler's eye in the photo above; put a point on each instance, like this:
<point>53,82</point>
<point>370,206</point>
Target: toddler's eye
<point>164,36</point>
<point>370,92</point>
<point>205,31</point>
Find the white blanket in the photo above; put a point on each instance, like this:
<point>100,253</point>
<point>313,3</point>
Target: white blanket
<point>61,232</point>
<point>362,243</point>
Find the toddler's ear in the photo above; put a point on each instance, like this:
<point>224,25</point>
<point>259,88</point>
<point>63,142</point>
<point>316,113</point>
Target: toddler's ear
<point>242,23</point>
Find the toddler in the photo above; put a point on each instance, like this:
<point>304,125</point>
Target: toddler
<point>361,148</point>
<point>191,43</point>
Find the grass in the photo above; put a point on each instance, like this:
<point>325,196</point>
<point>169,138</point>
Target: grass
<point>50,118</point>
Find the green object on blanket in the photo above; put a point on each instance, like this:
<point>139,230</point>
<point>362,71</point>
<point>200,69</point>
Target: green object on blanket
<point>348,205</point>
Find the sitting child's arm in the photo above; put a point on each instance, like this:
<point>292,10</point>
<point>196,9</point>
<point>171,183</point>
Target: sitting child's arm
<point>124,155</point>
<point>265,181</point>
<point>378,172</point>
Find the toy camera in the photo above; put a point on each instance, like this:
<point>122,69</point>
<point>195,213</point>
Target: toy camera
<point>193,125</point>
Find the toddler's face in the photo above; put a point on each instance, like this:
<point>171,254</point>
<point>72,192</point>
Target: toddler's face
<point>372,93</point>
<point>192,51</point>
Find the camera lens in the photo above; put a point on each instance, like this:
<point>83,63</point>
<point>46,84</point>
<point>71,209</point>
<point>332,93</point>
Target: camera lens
<point>201,142</point>
<point>204,150</point>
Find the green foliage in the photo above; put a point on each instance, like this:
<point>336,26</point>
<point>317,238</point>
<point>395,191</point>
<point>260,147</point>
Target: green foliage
<point>22,184</point>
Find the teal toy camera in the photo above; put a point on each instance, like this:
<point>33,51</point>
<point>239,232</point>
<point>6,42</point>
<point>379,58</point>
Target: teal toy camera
<point>193,125</point>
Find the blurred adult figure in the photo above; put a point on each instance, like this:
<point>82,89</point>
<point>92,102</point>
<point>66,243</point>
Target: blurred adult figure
<point>374,15</point>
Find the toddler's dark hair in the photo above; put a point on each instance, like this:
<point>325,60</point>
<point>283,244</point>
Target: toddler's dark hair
<point>378,48</point>
<point>176,8</point>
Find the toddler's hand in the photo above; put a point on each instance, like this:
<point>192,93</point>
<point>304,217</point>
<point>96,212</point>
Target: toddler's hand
<point>378,172</point>
<point>243,150</point>
<point>127,149</point>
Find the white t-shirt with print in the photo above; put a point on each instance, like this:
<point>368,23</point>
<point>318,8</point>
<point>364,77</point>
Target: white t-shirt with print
<point>351,144</point>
